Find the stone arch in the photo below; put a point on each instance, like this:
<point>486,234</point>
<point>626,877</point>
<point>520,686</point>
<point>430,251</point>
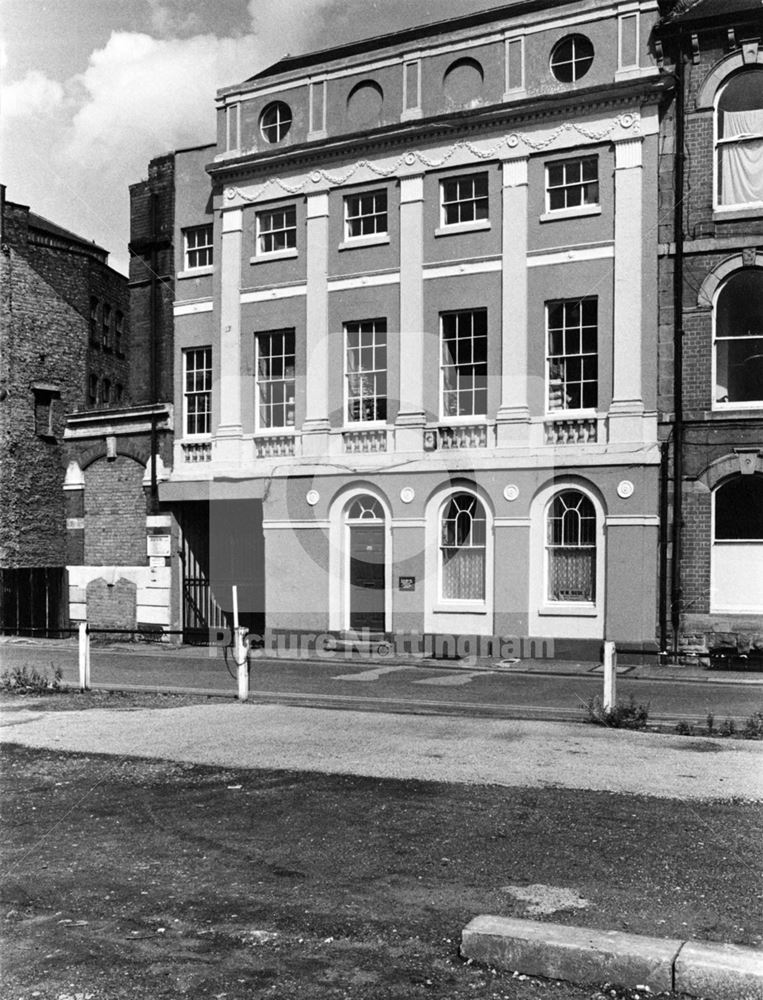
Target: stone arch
<point>723,468</point>
<point>713,280</point>
<point>746,56</point>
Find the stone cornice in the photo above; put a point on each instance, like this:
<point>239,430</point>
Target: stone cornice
<point>645,90</point>
<point>123,420</point>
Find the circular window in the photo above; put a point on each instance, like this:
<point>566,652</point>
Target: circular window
<point>275,121</point>
<point>571,58</point>
<point>364,104</point>
<point>463,81</point>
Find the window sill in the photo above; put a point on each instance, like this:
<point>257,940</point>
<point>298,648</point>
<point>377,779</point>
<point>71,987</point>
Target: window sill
<point>477,418</point>
<point>463,227</point>
<point>357,242</point>
<point>578,212</point>
<point>263,258</point>
<point>738,409</point>
<point>288,431</point>
<point>568,611</point>
<point>754,211</point>
<point>461,608</point>
<point>196,272</point>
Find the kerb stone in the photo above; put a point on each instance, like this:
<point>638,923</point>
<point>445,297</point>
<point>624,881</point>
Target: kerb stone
<point>577,954</point>
<point>720,971</point>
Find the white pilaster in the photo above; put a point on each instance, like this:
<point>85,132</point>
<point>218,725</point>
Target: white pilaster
<point>626,411</point>
<point>411,417</point>
<point>315,429</point>
<point>513,421</point>
<point>227,441</point>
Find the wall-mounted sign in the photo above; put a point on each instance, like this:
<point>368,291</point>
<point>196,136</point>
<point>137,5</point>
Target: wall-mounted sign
<point>158,545</point>
<point>407,582</point>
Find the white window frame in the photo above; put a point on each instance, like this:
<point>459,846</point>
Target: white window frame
<point>374,327</point>
<point>355,211</point>
<point>259,426</point>
<point>203,248</point>
<point>754,404</point>
<point>572,38</point>
<point>206,391</point>
<point>557,618</point>
<point>718,206</point>
<point>263,233</point>
<point>549,548</point>
<point>715,606</point>
<point>565,410</point>
<point>583,207</point>
<point>462,602</point>
<point>475,417</point>
<point>463,199</point>
<point>280,126</point>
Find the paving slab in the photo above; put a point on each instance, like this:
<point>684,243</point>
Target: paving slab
<point>719,971</point>
<point>576,954</point>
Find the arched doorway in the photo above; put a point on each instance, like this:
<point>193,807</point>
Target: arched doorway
<point>365,548</point>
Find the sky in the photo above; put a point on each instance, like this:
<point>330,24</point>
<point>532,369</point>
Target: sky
<point>91,90</point>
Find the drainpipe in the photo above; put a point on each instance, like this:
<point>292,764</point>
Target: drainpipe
<point>154,353</point>
<point>678,302</point>
<point>664,538</point>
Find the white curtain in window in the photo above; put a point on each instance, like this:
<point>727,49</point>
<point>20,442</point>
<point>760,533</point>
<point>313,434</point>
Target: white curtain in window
<point>742,161</point>
<point>463,574</point>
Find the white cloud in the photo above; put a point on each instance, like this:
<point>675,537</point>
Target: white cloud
<point>34,95</point>
<point>140,96</point>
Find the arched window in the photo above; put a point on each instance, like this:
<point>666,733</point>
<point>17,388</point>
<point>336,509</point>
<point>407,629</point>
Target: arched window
<point>463,548</point>
<point>571,548</point>
<point>737,560</point>
<point>739,339</point>
<point>365,508</point>
<point>275,121</point>
<point>739,140</point>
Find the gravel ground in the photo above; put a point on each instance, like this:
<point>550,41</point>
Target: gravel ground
<point>470,751</point>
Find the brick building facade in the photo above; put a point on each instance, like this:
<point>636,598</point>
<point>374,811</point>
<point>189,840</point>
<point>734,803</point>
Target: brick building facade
<point>63,343</point>
<point>118,538</point>
<point>711,325</point>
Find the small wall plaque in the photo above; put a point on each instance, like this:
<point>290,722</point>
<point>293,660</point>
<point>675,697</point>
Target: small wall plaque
<point>407,583</point>
<point>158,545</point>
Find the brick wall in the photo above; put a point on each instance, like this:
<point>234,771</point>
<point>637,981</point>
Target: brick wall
<point>112,605</point>
<point>45,280</point>
<point>152,279</point>
<point>115,513</point>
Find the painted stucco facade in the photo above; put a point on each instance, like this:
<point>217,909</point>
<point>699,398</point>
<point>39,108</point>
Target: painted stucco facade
<point>470,111</point>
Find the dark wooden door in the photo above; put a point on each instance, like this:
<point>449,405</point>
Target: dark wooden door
<point>367,577</point>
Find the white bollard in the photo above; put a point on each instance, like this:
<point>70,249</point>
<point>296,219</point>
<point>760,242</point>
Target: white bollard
<point>84,657</point>
<point>610,676</point>
<point>240,651</point>
<point>241,655</point>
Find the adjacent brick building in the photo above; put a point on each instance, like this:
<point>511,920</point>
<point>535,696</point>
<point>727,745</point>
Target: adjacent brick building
<point>118,538</point>
<point>711,325</point>
<point>64,339</point>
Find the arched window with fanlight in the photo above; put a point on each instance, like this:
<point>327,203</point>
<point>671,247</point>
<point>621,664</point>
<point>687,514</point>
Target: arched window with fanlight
<point>571,548</point>
<point>738,355</point>
<point>737,556</point>
<point>739,141</point>
<point>463,548</point>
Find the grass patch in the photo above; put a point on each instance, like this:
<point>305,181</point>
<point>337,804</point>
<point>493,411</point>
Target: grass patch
<point>622,715</point>
<point>751,730</point>
<point>29,680</point>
